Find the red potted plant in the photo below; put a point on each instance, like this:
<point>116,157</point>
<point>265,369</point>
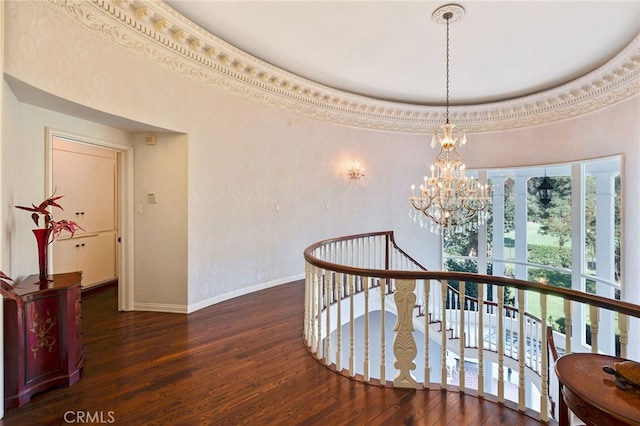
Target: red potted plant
<point>51,230</point>
<point>4,277</point>
<point>6,287</point>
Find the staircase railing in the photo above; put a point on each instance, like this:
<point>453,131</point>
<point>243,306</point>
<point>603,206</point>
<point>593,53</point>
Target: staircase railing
<point>356,285</point>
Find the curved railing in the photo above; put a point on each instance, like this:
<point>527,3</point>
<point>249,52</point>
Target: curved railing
<point>358,286</point>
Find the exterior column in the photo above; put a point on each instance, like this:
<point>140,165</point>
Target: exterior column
<point>520,218</point>
<point>605,255</point>
<point>497,248</point>
<point>577,256</point>
<point>630,267</point>
<point>482,235</point>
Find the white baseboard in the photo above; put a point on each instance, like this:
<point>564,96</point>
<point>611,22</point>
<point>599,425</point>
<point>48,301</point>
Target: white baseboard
<point>183,309</point>
<point>160,307</point>
<point>241,292</point>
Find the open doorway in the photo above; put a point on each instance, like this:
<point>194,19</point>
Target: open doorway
<point>93,177</point>
<point>86,176</point>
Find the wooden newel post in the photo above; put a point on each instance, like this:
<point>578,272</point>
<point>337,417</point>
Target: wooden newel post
<point>404,345</point>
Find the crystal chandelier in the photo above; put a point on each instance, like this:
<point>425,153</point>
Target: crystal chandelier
<point>448,200</point>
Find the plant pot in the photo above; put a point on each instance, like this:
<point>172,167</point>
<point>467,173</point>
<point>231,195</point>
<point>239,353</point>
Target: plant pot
<point>42,238</point>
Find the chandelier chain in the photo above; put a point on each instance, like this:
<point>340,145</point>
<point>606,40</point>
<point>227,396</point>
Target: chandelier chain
<point>447,16</point>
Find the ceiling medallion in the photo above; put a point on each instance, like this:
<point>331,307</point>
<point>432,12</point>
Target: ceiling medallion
<point>450,13</point>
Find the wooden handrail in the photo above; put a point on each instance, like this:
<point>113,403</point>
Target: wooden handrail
<point>339,268</point>
<point>590,299</point>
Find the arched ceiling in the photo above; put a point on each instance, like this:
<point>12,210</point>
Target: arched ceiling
<point>381,65</point>
<point>392,50</point>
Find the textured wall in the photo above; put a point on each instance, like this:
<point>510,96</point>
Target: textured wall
<point>160,263</point>
<point>23,173</point>
<point>244,158</point>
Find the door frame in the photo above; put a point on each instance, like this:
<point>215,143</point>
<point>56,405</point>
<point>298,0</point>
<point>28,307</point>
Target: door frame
<point>125,248</point>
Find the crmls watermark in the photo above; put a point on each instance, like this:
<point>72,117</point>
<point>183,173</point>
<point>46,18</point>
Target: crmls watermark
<point>80,416</point>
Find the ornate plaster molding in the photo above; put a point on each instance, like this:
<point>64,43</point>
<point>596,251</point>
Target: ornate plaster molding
<point>151,29</point>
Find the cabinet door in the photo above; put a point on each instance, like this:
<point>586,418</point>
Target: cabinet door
<point>98,258</point>
<point>94,255</point>
<point>87,179</point>
<point>42,336</point>
<point>66,255</point>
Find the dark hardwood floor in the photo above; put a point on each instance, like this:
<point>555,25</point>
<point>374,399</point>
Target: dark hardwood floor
<point>239,362</point>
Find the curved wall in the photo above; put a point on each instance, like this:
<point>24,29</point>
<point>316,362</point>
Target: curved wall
<point>244,161</point>
<point>262,182</point>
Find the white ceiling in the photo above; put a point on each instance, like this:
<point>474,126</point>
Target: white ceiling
<point>392,50</point>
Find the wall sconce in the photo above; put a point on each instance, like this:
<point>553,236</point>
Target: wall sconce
<point>356,171</point>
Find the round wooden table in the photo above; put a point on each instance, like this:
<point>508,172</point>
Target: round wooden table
<point>591,394</point>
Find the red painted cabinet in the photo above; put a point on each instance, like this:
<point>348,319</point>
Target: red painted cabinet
<point>42,336</point>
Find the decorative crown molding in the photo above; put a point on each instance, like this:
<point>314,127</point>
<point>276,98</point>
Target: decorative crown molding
<point>154,31</point>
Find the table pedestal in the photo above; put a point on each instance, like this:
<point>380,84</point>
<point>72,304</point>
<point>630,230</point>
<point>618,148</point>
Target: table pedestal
<point>591,394</point>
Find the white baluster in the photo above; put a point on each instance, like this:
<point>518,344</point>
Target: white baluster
<point>350,253</point>
<point>480,332</point>
<point>435,315</point>
<point>623,325</point>
<point>327,308</point>
<point>538,349</point>
<point>352,356</point>
<point>319,315</point>
<point>568,325</point>
<point>469,311</point>
<point>313,305</point>
<point>366,329</point>
<point>307,286</point>
<point>594,319</point>
<point>529,358</point>
<point>500,344</point>
<point>522,341</point>
<point>425,301</point>
<point>461,288</point>
<point>455,321</point>
<point>443,367</point>
<point>491,329</point>
<point>339,325</point>
<point>365,253</point>
<point>544,377</point>
<point>539,333</point>
<point>383,361</point>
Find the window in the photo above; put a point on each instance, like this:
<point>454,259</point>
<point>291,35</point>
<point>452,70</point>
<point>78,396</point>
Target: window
<point>529,241</point>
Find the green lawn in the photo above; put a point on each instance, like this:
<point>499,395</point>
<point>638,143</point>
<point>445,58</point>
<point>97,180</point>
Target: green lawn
<point>533,237</point>
<point>555,305</point>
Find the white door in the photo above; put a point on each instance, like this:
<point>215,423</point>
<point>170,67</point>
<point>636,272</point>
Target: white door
<point>86,176</point>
